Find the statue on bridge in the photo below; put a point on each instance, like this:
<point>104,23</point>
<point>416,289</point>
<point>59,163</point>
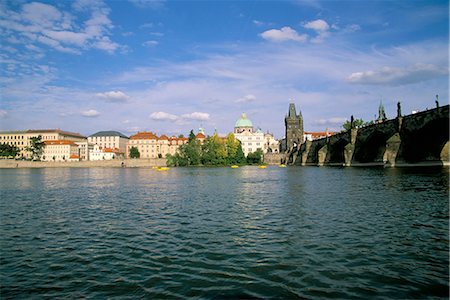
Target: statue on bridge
<point>437,101</point>
<point>399,110</point>
<point>352,121</point>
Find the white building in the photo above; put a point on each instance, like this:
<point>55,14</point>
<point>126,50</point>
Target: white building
<point>99,153</point>
<point>21,139</point>
<point>60,150</point>
<point>251,141</point>
<point>110,139</point>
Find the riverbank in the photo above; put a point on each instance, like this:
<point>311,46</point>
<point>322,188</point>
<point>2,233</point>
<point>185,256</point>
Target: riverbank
<point>115,163</point>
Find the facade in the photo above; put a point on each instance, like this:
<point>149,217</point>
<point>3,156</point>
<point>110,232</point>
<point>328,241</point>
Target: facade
<point>60,150</point>
<point>151,146</point>
<point>271,145</point>
<point>311,136</point>
<point>294,128</point>
<point>110,139</point>
<point>251,141</point>
<point>99,153</point>
<point>21,139</point>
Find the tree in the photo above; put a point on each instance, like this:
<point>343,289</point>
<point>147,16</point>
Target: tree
<point>36,147</point>
<point>356,123</point>
<point>255,157</point>
<point>7,150</point>
<point>134,152</point>
<point>214,151</point>
<point>234,150</point>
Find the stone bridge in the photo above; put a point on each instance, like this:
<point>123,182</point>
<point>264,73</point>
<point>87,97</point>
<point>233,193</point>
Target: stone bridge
<point>421,138</point>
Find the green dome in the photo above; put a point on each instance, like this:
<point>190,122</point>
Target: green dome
<point>243,122</point>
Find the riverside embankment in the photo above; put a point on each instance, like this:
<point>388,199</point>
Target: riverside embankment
<point>116,163</point>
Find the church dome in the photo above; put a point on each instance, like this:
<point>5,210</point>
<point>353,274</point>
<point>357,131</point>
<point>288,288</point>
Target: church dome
<point>243,122</point>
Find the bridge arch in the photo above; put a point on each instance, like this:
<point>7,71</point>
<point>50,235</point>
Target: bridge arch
<point>372,149</point>
<point>335,153</point>
<point>427,143</point>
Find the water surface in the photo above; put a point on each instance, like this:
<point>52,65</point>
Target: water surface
<point>297,232</point>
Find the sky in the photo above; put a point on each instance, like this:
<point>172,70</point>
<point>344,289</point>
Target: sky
<point>172,66</point>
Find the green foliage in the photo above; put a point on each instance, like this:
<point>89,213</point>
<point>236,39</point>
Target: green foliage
<point>255,158</point>
<point>356,123</point>
<point>7,150</point>
<point>215,151</point>
<point>134,152</point>
<point>36,147</point>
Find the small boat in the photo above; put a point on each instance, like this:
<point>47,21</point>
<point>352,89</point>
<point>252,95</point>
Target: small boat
<point>262,167</point>
<point>163,169</point>
<point>282,166</point>
<point>234,167</point>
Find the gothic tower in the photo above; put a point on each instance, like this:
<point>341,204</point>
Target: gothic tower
<point>294,127</point>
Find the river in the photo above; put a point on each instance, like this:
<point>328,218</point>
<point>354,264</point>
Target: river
<point>213,233</point>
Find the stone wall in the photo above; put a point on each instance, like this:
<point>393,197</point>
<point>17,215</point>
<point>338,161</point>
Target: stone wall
<point>115,163</point>
<point>273,158</point>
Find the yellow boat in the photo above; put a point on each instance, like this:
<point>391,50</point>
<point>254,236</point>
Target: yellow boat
<point>163,169</point>
<point>262,167</point>
<point>282,166</point>
<point>234,167</point>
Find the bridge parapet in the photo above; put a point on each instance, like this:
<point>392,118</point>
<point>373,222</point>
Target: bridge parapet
<point>415,138</point>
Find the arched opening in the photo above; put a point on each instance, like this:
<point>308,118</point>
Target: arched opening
<point>336,152</point>
<point>427,143</point>
<point>372,149</point>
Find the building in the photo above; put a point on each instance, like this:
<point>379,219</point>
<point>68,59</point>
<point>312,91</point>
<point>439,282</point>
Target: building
<point>99,153</point>
<point>294,128</point>
<point>271,145</point>
<point>311,136</point>
<point>251,140</point>
<point>60,150</point>
<point>151,146</point>
<point>110,139</point>
<point>21,138</point>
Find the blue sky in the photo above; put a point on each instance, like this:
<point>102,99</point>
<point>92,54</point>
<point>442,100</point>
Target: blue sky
<point>172,66</point>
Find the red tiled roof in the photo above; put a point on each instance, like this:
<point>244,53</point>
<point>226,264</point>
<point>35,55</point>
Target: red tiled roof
<point>164,137</point>
<point>144,135</point>
<point>200,136</point>
<point>59,142</point>
<point>320,133</point>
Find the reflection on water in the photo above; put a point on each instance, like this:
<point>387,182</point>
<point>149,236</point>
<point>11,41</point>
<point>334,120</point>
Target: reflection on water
<point>224,233</point>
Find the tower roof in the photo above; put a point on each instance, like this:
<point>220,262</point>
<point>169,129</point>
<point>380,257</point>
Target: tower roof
<point>243,122</point>
<point>292,113</point>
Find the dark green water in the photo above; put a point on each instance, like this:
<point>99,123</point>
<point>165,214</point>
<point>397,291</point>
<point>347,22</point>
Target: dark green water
<point>224,233</point>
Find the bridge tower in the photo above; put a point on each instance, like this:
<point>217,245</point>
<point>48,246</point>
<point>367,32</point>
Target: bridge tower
<point>294,127</point>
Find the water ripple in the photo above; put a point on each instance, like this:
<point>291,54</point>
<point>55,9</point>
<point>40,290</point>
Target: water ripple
<point>218,233</point>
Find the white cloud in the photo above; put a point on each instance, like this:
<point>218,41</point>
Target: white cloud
<point>91,113</point>
<point>113,96</point>
<point>246,99</point>
<point>3,113</point>
<point>395,76</point>
<point>46,24</point>
<point>152,4</point>
<point>150,43</point>
<point>198,116</point>
<point>317,25</point>
<point>330,121</point>
<point>163,116</point>
<point>321,27</point>
<point>283,34</point>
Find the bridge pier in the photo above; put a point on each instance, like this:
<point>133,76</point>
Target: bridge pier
<point>322,155</point>
<point>392,150</point>
<point>305,152</point>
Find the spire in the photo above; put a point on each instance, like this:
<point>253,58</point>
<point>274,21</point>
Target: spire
<point>381,113</point>
<point>292,112</point>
